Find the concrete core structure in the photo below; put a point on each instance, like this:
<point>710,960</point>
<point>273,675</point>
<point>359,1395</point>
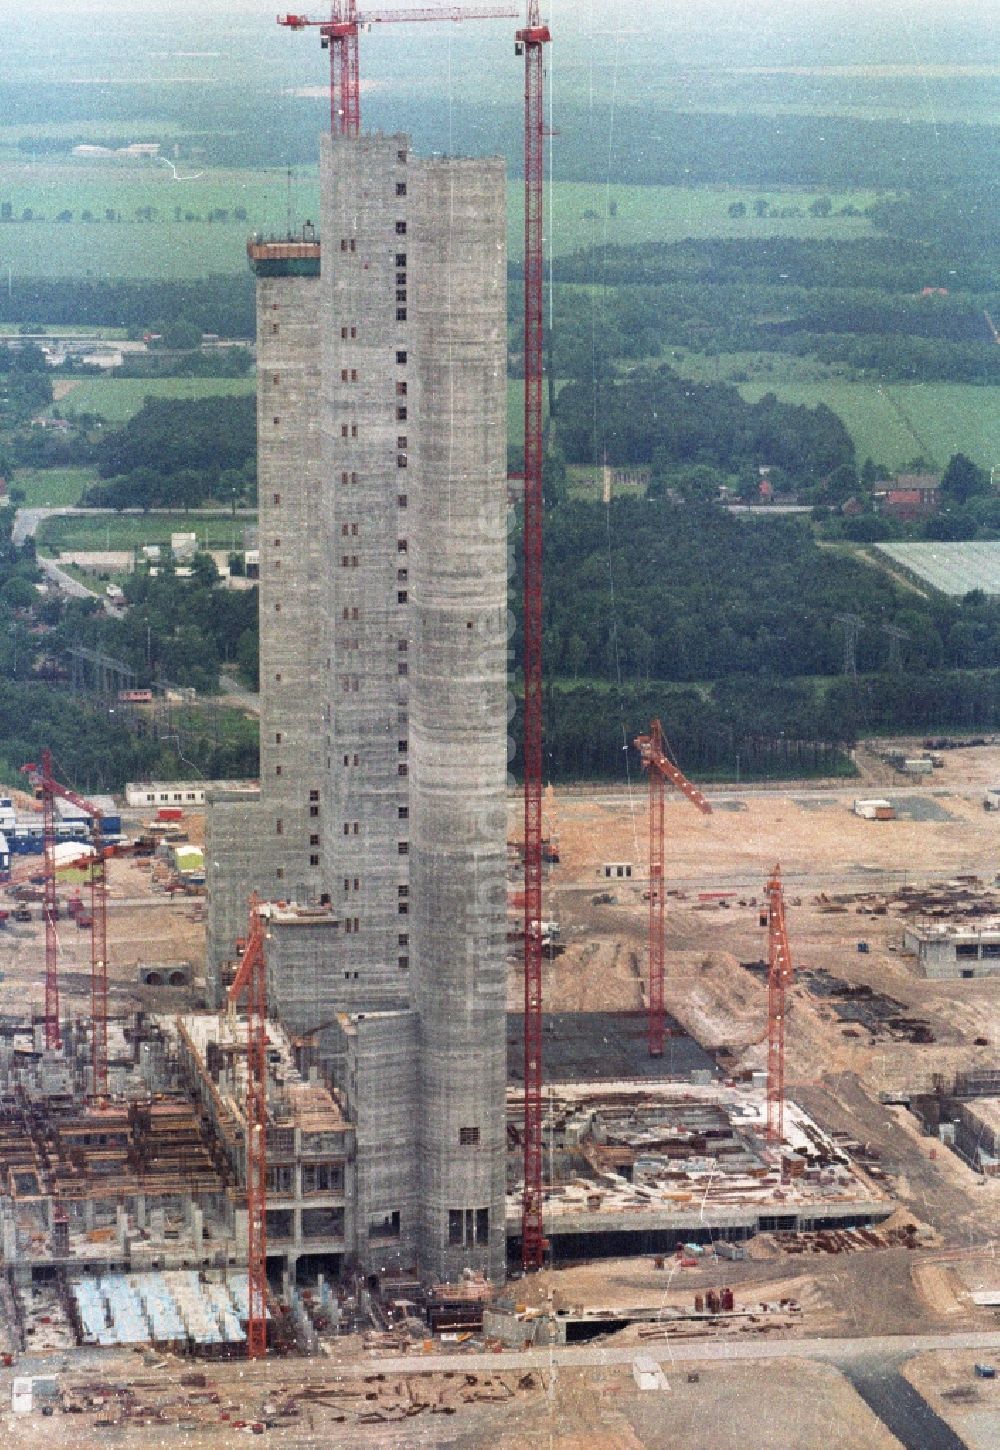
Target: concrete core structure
<point>380,823</point>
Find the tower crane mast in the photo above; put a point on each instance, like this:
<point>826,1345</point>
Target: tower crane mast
<point>661,769</point>
<point>779,977</point>
<point>251,977</point>
<point>339,35</point>
<point>531,42</point>
<point>43,780</point>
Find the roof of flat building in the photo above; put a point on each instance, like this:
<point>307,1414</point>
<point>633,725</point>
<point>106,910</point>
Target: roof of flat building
<point>292,1102</point>
<point>283,258</point>
<point>988,932</point>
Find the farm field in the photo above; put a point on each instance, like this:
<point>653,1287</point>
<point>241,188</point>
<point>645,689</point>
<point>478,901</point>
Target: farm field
<point>772,368</point>
<point>171,247</point>
<point>114,531</point>
<point>118,399</point>
<point>579,215</point>
<point>952,569</point>
<point>890,422</point>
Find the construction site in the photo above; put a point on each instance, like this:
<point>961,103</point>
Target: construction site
<point>672,1219</point>
<point>386,1100</point>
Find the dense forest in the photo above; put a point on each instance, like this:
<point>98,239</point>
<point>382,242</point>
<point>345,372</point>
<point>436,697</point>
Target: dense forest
<point>652,590</point>
<point>176,453</point>
<point>25,385</point>
<point>212,304</point>
<point>750,728</point>
<point>938,337</point>
<point>190,631</point>
<point>727,629</point>
<point>654,416</point>
<point>181,629</point>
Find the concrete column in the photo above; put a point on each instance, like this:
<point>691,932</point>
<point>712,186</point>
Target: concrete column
<point>458,756</point>
<point>8,1230</point>
<point>197,1228</point>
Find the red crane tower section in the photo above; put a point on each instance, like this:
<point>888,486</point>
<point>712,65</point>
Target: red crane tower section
<point>661,769</point>
<point>531,42</point>
<point>251,977</point>
<point>43,780</point>
<point>339,35</point>
<point>779,977</point>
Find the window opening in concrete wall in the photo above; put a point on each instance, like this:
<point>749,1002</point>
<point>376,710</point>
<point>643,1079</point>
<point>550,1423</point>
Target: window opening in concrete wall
<point>385,1226</point>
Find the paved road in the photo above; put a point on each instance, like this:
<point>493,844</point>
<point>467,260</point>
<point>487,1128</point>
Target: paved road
<point>843,1353</point>
<point>237,695</point>
<point>849,792</point>
<point>65,582</point>
<point>902,1409</point>
<point>749,882</point>
<point>863,1356</point>
<point>27,520</point>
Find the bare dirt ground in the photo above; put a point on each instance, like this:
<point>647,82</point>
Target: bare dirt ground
<point>969,1404</point>
<point>704,1406</point>
<point>145,926</point>
<point>836,1069</point>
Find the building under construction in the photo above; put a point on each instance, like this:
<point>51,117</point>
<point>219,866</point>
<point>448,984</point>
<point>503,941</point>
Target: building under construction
<point>380,824</point>
<point>377,845</point>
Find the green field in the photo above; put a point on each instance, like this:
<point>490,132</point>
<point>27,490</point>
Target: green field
<point>114,531</point>
<point>117,399</point>
<point>893,423</point>
<point>53,487</point>
<point>579,215</point>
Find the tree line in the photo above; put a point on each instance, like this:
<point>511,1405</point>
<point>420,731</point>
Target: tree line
<point>881,264</point>
<point>653,416</point>
<point>679,592</point>
<point>750,729</point>
<point>222,304</point>
<point>178,452</point>
<point>181,629</point>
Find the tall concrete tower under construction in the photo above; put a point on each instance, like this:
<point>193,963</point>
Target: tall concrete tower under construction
<point>380,819</point>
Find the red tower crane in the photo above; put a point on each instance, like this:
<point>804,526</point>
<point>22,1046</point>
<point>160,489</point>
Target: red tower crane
<point>661,769</point>
<point>339,35</point>
<point>43,780</point>
<point>251,976</point>
<point>779,977</point>
<point>531,42</point>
